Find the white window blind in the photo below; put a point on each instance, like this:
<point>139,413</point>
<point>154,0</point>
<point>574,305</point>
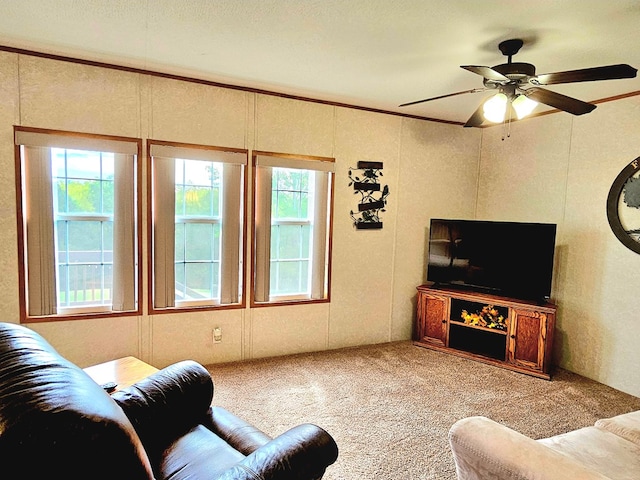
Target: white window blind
<point>40,247</point>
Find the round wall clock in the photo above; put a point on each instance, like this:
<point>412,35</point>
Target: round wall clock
<point>623,206</point>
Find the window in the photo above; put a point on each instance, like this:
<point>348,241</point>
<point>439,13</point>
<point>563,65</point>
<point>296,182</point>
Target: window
<point>293,198</point>
<point>83,200</point>
<point>290,231</point>
<point>78,211</point>
<point>197,234</point>
<point>197,230</point>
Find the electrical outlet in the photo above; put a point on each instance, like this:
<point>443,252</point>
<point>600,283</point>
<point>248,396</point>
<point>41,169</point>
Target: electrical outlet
<point>217,335</point>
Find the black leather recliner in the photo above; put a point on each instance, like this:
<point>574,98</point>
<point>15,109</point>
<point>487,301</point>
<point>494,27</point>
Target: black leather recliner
<point>56,422</point>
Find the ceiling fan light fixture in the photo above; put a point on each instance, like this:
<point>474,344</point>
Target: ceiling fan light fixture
<point>523,106</point>
<point>514,80</point>
<point>495,108</point>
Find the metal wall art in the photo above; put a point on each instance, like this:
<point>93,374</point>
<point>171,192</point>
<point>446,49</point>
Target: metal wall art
<point>623,206</point>
<point>373,198</point>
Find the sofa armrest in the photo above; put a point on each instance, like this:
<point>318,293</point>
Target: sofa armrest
<point>301,453</point>
<point>238,433</point>
<point>484,449</point>
<point>167,403</point>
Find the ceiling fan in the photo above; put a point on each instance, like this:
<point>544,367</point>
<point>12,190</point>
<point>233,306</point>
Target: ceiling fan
<point>518,87</point>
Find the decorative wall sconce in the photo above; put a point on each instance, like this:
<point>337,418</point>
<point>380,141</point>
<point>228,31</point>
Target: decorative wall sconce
<point>373,198</point>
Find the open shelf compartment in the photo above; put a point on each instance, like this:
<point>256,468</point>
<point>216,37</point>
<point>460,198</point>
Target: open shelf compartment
<point>478,315</point>
<point>478,341</point>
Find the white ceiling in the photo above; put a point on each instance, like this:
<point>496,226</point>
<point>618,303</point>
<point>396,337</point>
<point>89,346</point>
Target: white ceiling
<point>370,53</point>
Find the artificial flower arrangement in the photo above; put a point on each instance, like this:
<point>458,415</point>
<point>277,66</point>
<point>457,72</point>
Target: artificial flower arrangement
<point>488,317</point>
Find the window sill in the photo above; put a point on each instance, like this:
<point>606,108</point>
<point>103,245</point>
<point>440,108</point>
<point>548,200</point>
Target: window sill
<point>65,316</point>
<point>194,308</point>
<point>281,302</point>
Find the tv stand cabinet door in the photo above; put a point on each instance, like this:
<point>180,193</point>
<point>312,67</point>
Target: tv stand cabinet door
<point>528,342</point>
<point>432,315</point>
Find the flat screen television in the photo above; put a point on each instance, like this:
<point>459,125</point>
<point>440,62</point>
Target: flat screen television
<point>511,259</point>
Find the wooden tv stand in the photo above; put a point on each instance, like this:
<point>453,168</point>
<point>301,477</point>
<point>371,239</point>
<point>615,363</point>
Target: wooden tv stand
<point>524,345</point>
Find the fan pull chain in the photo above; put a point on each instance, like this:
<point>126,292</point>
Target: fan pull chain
<point>506,126</point>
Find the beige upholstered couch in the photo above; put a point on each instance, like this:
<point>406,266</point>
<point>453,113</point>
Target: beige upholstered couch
<point>484,449</point>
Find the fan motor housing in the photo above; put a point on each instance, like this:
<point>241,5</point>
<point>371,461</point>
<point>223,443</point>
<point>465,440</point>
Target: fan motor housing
<point>516,70</point>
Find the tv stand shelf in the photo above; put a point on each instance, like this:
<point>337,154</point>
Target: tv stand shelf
<point>508,332</point>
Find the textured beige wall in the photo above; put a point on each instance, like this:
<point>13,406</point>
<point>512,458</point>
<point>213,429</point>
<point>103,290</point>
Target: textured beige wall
<point>559,169</point>
<point>68,96</point>
<point>363,270</point>
<point>9,115</point>
<point>601,325</point>
<point>374,272</point>
<point>195,113</point>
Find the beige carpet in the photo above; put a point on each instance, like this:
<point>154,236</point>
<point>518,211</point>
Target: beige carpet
<point>389,406</point>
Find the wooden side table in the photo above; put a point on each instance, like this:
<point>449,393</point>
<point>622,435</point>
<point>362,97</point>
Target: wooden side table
<point>123,372</point>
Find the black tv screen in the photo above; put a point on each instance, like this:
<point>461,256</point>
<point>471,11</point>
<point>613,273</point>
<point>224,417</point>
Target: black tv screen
<point>512,259</point>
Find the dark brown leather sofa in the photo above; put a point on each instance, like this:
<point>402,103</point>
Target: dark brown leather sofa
<point>56,422</point>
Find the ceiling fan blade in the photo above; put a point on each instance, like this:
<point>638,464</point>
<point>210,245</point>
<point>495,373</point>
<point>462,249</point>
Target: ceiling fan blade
<point>559,101</point>
<point>487,72</point>
<point>477,118</point>
<point>473,90</point>
<point>609,72</point>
